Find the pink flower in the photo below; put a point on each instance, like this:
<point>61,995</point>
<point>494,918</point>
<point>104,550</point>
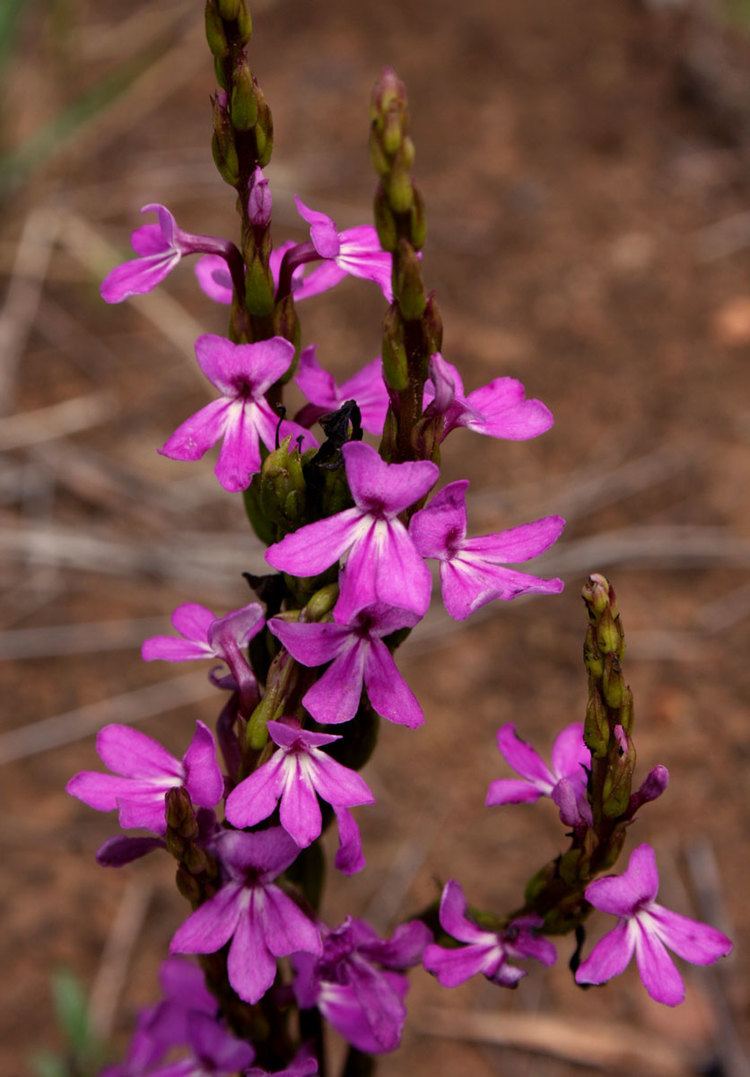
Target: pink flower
<point>144,771</point>
<point>499,409</point>
<point>261,921</point>
<point>204,635</point>
<point>358,657</point>
<point>646,929</point>
<point>382,563</point>
<point>473,571</point>
<point>366,388</point>
<point>488,952</point>
<point>241,416</point>
<point>297,774</point>
<point>564,782</point>
<point>160,247</point>
<point>354,252</point>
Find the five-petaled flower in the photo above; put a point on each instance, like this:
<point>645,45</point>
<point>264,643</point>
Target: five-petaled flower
<point>564,782</point>
<point>355,252</point>
<point>144,771</point>
<point>473,571</point>
<point>159,248</point>
<point>297,774</point>
<point>382,563</point>
<point>241,416</point>
<point>499,409</point>
<point>357,982</point>
<point>646,929</point>
<point>484,951</point>
<point>366,388</point>
<point>262,921</point>
<point>204,635</point>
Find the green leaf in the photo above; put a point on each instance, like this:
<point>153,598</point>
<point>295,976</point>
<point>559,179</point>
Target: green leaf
<point>71,1007</point>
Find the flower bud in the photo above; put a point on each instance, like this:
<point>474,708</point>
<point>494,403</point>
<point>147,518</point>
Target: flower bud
<point>388,93</point>
<point>244,106</point>
<point>222,144</point>
<point>244,23</point>
<point>613,684</point>
<point>385,222</point>
<point>282,486</point>
<point>432,325</point>
<point>286,325</point>
<point>608,636</point>
<point>259,289</point>
<point>598,594</point>
<point>263,131</point>
<point>215,35</point>
<point>400,190</point>
<point>596,726</point>
<point>188,886</point>
<point>409,287</point>
<point>395,360</point>
<point>259,201</point>
<point>654,784</point>
<point>229,9</point>
<point>617,783</point>
<point>591,657</point>
<point>417,221</point>
<point>179,813</point>
<point>321,603</point>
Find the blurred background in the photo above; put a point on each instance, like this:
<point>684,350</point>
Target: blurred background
<point>586,168</point>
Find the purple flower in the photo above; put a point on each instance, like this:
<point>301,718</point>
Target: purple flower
<point>304,1064</point>
<point>354,252</point>
<point>356,985</point>
<point>382,563</point>
<point>358,656</point>
<point>349,856</point>
<point>143,773</point>
<point>241,416</point>
<point>216,280</point>
<point>121,850</point>
<point>485,951</point>
<point>160,247</point>
<point>473,571</point>
<point>648,929</point>
<point>297,774</point>
<point>204,635</point>
<point>366,388</point>
<point>214,1052</point>
<point>262,922</point>
<point>259,200</point>
<point>499,409</point>
<point>564,782</point>
<point>167,1024</point>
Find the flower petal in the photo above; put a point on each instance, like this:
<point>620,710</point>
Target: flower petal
<point>138,276</point>
<point>316,383</point>
<point>312,548</point>
<point>609,957</point>
<point>286,928</point>
<point>101,792</point>
<point>211,925</point>
<point>133,754</point>
<point>203,779</point>
<point>334,698</point>
<point>518,543</point>
<point>214,278</point>
<point>376,485</point>
<point>255,798</point>
<point>239,456</point>
<point>387,690</point>
<point>455,966</point>
<point>337,784</point>
<point>300,812</point>
<point>511,791</point>
<point>310,643</point>
<point>453,918</point>
<point>250,965</point>
<point>323,231</point>
<point>524,759</point>
<point>505,411</point>
<point>657,970</point>
<point>193,438</point>
<point>622,894</point>
<point>349,856</point>
<point>440,527</point>
<point>569,754</point>
<point>691,940</point>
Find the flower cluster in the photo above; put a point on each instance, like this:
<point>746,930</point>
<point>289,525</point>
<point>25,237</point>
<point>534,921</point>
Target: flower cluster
<point>351,529</point>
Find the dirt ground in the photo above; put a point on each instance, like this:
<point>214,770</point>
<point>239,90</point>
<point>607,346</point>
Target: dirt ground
<point>586,168</point>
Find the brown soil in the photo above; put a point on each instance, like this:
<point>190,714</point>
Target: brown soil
<point>573,157</point>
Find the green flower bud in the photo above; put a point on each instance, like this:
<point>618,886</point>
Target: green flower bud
<point>596,727</point>
<point>229,9</point>
<point>409,288</point>
<point>385,222</point>
<point>244,106</point>
<point>322,602</point>
<point>392,133</point>
<point>188,886</point>
<point>395,360</point>
<point>179,813</point>
<point>613,684</point>
<point>618,783</point>
<point>380,162</point>
<point>263,131</point>
<point>282,486</point>
<point>244,23</point>
<point>417,221</point>
<point>286,325</point>
<point>432,326</point>
<point>261,525</point>
<point>259,289</point>
<point>400,190</point>
<point>608,635</point>
<point>217,39</point>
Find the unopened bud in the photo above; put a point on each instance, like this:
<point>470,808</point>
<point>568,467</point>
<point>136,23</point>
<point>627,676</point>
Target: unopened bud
<point>259,287</point>
<point>395,360</point>
<point>222,144</point>
<point>654,784</point>
<point>596,593</point>
<point>321,603</point>
<point>259,201</point>
<point>286,325</point>
<point>179,812</point>
<point>400,190</point>
<point>261,525</point>
<point>244,23</point>
<point>217,39</point>
<point>613,684</point>
<point>432,325</point>
<point>417,221</point>
<point>608,635</point>
<point>388,93</point>
<point>619,777</point>
<point>229,9</point>
<point>380,162</point>
<point>263,131</point>
<point>596,726</point>
<point>195,860</point>
<point>410,291</point>
<point>256,733</point>
<point>282,486</point>
<point>592,659</point>
<point>244,106</point>
<point>188,886</point>
<point>392,133</point>
<point>385,222</point>
<point>625,714</point>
